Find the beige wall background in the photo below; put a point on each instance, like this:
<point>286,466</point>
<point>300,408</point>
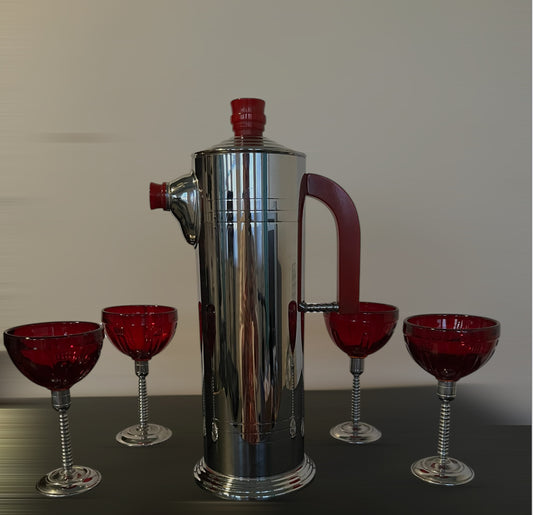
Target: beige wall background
<point>420,109</point>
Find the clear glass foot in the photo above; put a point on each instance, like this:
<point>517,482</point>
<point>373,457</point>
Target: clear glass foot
<point>454,472</point>
<point>60,483</point>
<point>135,436</point>
<point>362,433</point>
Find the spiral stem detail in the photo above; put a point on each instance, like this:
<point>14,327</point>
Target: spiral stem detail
<point>61,403</point>
<point>356,401</point>
<point>141,369</point>
<point>444,431</point>
<point>66,446</point>
<point>357,366</point>
<point>446,391</point>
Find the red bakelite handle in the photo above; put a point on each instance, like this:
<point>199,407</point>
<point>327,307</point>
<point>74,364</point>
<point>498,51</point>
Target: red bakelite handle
<point>348,235</point>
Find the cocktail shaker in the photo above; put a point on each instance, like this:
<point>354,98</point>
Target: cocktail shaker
<point>242,208</point>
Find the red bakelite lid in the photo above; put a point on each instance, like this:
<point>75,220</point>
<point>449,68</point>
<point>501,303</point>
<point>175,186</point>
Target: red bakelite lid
<point>248,116</point>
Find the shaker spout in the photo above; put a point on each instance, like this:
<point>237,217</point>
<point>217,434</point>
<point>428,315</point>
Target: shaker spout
<point>181,198</point>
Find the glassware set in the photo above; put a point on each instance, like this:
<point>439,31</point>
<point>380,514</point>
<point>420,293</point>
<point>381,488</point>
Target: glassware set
<point>448,346</point>
<point>56,355</point>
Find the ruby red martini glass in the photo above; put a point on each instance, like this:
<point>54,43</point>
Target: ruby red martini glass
<point>57,355</point>
<point>359,335</point>
<point>449,347</point>
<point>141,332</point>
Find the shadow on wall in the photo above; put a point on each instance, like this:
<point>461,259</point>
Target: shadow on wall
<point>507,407</point>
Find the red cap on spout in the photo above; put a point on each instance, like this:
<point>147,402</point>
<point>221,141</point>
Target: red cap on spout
<point>248,118</point>
<point>158,195</point>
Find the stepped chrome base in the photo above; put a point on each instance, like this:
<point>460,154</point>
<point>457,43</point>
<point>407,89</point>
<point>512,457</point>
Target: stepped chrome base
<point>244,488</point>
<point>365,433</point>
<point>59,483</point>
<point>133,436</point>
<point>453,473</point>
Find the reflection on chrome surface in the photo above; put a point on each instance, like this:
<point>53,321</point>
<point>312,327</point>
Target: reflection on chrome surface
<point>251,327</point>
<point>242,207</point>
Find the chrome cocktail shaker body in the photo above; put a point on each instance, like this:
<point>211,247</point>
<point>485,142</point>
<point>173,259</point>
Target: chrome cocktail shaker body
<point>241,207</point>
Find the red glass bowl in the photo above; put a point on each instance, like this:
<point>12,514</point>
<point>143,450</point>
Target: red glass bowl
<point>451,346</point>
<point>365,332</point>
<point>140,331</point>
<point>55,355</point>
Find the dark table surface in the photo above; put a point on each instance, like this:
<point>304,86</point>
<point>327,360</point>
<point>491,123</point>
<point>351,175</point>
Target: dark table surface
<point>367,479</point>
